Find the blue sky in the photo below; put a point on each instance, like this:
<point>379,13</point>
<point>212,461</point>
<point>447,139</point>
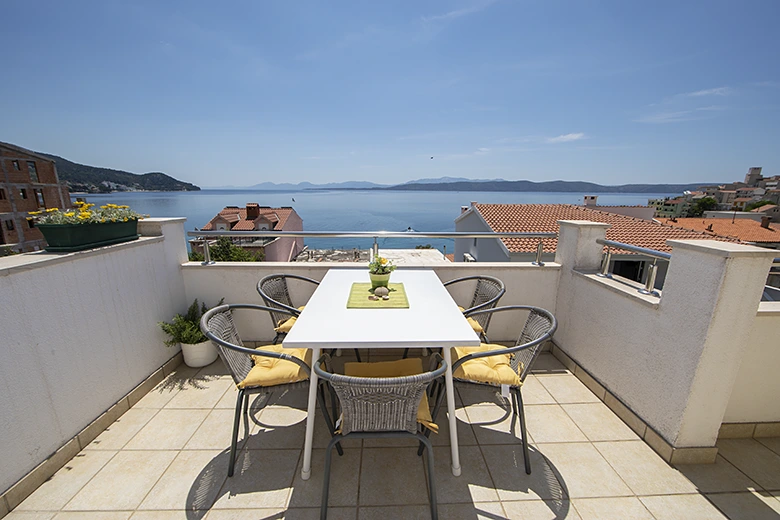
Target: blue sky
<point>237,93</point>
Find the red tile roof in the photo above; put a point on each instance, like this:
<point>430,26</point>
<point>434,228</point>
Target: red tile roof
<point>544,218</point>
<point>277,216</point>
<point>745,229</point>
<point>765,207</point>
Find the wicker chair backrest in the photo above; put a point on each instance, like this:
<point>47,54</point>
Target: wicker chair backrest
<point>387,404</point>
<point>222,326</point>
<point>274,290</point>
<point>536,326</point>
<point>487,289</point>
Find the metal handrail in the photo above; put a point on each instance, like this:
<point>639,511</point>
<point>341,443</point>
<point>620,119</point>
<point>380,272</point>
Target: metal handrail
<point>649,287</point>
<point>636,249</point>
<point>367,234</point>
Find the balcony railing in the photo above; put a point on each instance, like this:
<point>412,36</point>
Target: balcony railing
<point>204,235</point>
<point>649,287</point>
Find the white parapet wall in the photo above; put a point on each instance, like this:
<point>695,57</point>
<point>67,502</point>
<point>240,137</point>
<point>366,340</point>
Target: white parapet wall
<point>756,394</point>
<point>236,282</point>
<point>672,360</point>
<point>79,331</point>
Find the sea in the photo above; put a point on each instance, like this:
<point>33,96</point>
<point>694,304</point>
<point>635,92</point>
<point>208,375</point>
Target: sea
<point>353,210</point>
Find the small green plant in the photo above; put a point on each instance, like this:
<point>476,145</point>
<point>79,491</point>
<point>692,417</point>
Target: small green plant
<point>186,328</point>
<point>381,265</point>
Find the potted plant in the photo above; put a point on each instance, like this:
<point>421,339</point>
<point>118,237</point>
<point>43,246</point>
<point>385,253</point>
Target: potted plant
<point>83,227</point>
<point>184,330</point>
<point>379,270</point>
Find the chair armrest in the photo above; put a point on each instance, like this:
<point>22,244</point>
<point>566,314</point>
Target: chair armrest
<point>227,308</point>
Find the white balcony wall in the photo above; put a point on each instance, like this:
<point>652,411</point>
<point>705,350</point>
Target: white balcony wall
<point>756,390</point>
<point>672,360</point>
<point>79,331</point>
<point>236,282</point>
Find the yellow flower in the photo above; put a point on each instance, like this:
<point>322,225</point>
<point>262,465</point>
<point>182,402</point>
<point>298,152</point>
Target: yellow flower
<point>50,210</point>
<point>69,214</point>
<point>383,261</point>
<point>35,212</point>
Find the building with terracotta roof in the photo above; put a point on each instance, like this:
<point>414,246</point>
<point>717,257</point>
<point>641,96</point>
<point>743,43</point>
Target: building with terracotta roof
<point>762,233</point>
<point>770,210</point>
<point>254,217</point>
<point>543,218</point>
<point>28,182</point>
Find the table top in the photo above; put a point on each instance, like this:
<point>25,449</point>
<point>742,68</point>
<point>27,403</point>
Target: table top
<point>432,319</point>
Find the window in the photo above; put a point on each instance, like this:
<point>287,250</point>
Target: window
<point>31,223</point>
<point>39,198</point>
<point>2,194</point>
<point>9,225</point>
<point>16,165</point>
<point>23,193</point>
<point>32,170</point>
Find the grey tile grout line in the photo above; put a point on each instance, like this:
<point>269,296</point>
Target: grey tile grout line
<point>178,451</point>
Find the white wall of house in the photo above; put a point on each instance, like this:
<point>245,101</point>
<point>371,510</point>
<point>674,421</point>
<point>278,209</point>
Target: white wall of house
<point>757,388</point>
<point>284,249</point>
<point>79,331</point>
<point>482,249</point>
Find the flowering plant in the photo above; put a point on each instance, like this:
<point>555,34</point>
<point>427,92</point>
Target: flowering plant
<point>83,213</point>
<point>381,265</point>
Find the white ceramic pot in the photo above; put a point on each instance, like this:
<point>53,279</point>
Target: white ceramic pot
<point>200,354</point>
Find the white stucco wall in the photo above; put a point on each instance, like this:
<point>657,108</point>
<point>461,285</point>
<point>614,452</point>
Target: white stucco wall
<point>755,397</point>
<point>487,249</point>
<point>236,282</point>
<point>79,331</point>
<point>673,360</point>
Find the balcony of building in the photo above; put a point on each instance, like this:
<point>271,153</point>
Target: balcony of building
<point>645,406</point>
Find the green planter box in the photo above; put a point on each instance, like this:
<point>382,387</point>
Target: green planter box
<point>65,238</point>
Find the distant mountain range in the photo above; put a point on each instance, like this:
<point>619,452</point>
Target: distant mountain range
<point>92,179</point>
<point>463,184</point>
<point>555,186</point>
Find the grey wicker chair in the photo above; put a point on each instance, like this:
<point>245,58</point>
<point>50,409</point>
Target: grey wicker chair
<point>218,325</point>
<point>275,292</point>
<point>539,327</point>
<point>379,407</point>
<point>487,291</point>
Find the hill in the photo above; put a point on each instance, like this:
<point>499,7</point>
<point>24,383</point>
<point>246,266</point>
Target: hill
<point>92,179</point>
<point>556,186</point>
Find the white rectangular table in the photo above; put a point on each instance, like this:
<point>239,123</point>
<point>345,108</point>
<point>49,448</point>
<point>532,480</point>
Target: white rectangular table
<point>432,320</point>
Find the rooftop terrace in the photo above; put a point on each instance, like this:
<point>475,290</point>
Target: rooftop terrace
<point>647,405</point>
<point>166,457</point>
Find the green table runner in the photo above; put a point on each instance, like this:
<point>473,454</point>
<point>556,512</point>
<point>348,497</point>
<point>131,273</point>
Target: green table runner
<point>358,297</point>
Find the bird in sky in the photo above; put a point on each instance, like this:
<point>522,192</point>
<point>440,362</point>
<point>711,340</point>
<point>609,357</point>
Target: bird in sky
<point>293,199</point>
<point>431,157</point>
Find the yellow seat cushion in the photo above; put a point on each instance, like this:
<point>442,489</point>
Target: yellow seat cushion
<point>494,369</point>
<point>399,368</point>
<point>286,326</point>
<point>474,323</point>
<point>272,371</point>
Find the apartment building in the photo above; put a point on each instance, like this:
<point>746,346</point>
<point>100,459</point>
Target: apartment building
<point>28,182</point>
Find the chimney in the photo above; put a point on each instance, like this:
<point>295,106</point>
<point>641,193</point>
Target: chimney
<point>252,210</point>
<point>590,200</point>
<point>765,221</point>
<point>464,209</point>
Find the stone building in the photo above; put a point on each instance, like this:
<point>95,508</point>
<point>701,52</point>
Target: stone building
<point>28,182</point>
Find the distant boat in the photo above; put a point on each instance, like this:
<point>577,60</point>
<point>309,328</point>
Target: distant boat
<point>410,230</point>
